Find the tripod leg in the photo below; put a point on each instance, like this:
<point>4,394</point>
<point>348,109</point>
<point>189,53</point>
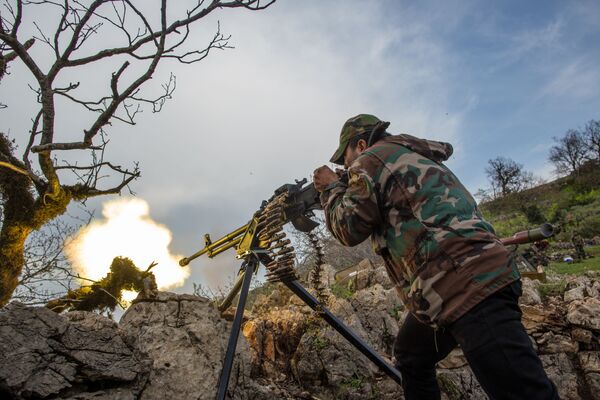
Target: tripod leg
<point>339,326</point>
<point>235,330</point>
<point>233,292</point>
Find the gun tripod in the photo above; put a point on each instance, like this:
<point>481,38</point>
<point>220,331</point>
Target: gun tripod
<point>245,276</point>
<point>262,241</point>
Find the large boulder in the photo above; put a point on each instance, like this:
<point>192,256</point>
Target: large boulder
<point>531,294</point>
<point>171,346</point>
<point>585,313</point>
<point>45,354</point>
<point>184,340</point>
<point>561,371</point>
<point>590,364</point>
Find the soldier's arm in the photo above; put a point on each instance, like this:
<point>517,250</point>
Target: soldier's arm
<point>351,210</point>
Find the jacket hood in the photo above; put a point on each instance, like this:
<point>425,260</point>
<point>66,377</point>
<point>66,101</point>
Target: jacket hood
<point>435,151</point>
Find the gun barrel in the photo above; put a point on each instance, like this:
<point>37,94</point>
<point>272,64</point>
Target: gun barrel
<point>226,242</point>
<point>529,236</point>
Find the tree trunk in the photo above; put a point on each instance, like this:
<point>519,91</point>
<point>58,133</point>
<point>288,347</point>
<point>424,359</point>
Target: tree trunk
<point>12,240</point>
<point>22,215</point>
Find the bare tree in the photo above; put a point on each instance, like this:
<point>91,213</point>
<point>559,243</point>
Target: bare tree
<point>591,134</point>
<point>46,274</point>
<point>569,153</point>
<point>32,194</point>
<point>506,176</point>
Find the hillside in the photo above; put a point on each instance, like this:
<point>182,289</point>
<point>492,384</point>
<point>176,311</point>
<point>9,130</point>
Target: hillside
<point>571,202</point>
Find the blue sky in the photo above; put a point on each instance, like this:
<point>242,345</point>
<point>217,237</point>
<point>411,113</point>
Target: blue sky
<point>492,78</point>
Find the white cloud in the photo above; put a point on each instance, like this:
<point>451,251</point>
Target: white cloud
<point>578,79</point>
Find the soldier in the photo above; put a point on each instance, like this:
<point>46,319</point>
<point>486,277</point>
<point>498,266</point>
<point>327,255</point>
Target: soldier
<point>458,281</point>
<point>577,242</point>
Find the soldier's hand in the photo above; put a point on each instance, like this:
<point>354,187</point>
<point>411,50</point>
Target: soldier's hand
<point>323,177</point>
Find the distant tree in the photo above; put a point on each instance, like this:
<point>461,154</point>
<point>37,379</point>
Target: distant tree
<point>51,38</point>
<point>569,153</point>
<point>484,195</point>
<point>505,175</point>
<point>591,134</point>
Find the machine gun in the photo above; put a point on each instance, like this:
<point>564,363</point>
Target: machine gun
<point>263,241</point>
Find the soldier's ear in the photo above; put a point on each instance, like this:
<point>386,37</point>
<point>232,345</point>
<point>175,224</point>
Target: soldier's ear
<point>361,145</point>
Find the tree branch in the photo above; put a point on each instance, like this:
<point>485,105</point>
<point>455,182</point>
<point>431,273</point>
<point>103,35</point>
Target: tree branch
<point>63,146</point>
<point>13,168</point>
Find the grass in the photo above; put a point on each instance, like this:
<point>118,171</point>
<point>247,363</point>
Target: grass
<point>319,343</point>
<point>589,264</point>
<point>354,383</point>
<point>552,289</point>
<point>396,312</point>
<point>341,290</point>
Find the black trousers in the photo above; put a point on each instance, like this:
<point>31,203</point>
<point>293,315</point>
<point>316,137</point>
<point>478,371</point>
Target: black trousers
<point>494,342</point>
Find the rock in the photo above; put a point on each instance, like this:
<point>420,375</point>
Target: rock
<point>325,358</point>
<point>585,313</point>
<point>551,343</point>
<point>561,371</point>
<point>381,277</point>
<point>109,394</point>
<point>378,311</point>
<point>171,346</point>
<point>582,335</point>
<point>531,294</point>
<point>273,339</point>
<point>456,359</point>
<point>184,339</point>
<point>593,290</point>
<point>541,318</point>
<point>590,364</point>
<point>574,294</point>
<point>458,384</point>
<point>51,354</point>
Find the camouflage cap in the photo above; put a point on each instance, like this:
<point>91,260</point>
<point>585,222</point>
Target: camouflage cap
<point>362,123</point>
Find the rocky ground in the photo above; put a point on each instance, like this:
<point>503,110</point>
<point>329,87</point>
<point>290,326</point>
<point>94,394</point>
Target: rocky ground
<point>172,346</point>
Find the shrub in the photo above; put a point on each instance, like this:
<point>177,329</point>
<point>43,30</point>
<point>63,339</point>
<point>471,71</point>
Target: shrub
<point>342,290</point>
<point>533,214</point>
<point>582,199</point>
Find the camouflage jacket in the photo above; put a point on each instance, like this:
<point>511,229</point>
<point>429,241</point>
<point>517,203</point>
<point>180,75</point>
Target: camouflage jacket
<point>440,253</point>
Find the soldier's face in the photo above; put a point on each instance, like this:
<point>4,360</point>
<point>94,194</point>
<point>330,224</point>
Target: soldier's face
<point>352,154</point>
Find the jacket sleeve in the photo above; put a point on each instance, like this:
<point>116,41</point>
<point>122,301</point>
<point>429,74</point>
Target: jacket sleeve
<point>351,210</point>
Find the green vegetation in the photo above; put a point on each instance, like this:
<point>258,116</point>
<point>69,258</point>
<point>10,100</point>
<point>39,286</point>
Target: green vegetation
<point>354,383</point>
<point>552,289</point>
<point>449,387</point>
<point>396,312</point>
<point>319,343</point>
<point>342,290</point>
<point>589,264</point>
<point>573,202</point>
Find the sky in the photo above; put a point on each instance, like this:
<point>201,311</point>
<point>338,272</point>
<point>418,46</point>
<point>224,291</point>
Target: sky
<point>492,78</point>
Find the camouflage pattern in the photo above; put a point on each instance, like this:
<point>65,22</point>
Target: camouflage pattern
<point>442,256</point>
<point>578,244</point>
<point>355,126</point>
